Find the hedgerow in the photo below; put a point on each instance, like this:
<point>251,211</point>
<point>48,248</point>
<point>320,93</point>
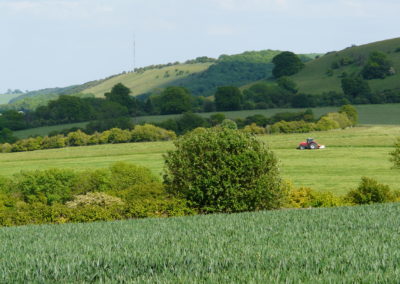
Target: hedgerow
<point>141,133</point>
<point>121,191</point>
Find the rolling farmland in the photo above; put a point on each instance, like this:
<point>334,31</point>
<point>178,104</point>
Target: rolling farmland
<point>350,154</point>
<point>338,245</point>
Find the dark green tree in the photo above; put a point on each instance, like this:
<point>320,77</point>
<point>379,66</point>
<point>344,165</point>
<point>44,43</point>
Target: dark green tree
<point>286,63</point>
<point>120,94</point>
<point>287,84</point>
<point>174,100</point>
<point>377,67</point>
<point>70,109</point>
<point>189,121</point>
<point>6,136</point>
<point>216,118</point>
<point>228,98</point>
<point>355,87</point>
<point>13,120</point>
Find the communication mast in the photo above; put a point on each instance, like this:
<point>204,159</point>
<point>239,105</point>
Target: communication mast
<point>134,52</point>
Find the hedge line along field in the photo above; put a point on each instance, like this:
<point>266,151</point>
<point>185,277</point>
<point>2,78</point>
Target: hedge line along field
<point>339,245</point>
<point>368,114</point>
<point>350,154</point>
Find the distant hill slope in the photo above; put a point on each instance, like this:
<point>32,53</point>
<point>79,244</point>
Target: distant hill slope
<point>199,78</point>
<point>149,80</point>
<point>69,90</point>
<point>314,78</point>
<point>5,98</point>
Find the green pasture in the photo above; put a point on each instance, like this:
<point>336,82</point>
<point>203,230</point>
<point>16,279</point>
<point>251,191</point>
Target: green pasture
<point>45,130</point>
<point>313,79</point>
<point>350,154</point>
<point>368,114</point>
<point>149,80</point>
<point>337,245</point>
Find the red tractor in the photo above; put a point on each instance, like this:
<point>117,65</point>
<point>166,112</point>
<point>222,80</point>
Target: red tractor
<point>310,144</point>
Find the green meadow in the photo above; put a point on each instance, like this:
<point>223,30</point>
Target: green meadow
<point>350,154</point>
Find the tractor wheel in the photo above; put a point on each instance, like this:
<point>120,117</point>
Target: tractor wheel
<point>313,146</point>
<point>301,147</point>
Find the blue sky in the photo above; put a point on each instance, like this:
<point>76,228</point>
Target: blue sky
<point>55,43</point>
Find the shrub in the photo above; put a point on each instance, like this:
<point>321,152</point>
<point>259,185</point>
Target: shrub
<point>254,129</point>
<point>340,118</point>
<point>95,138</point>
<point>395,154</point>
<point>326,123</point>
<point>77,138</point>
<point>223,170</point>
<point>292,127</point>
<point>29,144</point>
<point>305,197</point>
<point>52,142</point>
<point>5,148</point>
<point>370,191</point>
<point>93,181</point>
<point>94,199</point>
<point>148,132</point>
<point>47,186</point>
<point>351,113</point>
<point>117,135</point>
<point>228,123</point>
<point>124,175</point>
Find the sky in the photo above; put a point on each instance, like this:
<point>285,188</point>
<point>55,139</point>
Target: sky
<point>56,43</point>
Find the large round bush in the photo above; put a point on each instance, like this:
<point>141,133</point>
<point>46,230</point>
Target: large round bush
<point>223,170</point>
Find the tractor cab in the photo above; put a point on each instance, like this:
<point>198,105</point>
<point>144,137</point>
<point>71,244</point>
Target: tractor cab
<point>310,144</point>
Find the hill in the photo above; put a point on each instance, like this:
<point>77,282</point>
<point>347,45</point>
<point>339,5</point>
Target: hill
<point>5,98</point>
<point>320,76</point>
<point>202,79</point>
<point>339,245</point>
<point>149,80</point>
<point>201,76</point>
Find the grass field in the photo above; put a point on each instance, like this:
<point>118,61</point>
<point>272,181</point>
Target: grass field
<point>350,154</point>
<point>339,245</point>
<point>368,114</point>
<point>150,80</point>
<point>314,80</point>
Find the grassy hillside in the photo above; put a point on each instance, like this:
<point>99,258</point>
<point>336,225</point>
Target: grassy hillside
<point>368,114</point>
<point>149,80</point>
<point>350,154</point>
<point>5,98</point>
<point>313,79</point>
<point>339,245</point>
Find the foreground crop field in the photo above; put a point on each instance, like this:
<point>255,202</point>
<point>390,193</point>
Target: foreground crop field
<point>340,245</point>
<point>350,154</point>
